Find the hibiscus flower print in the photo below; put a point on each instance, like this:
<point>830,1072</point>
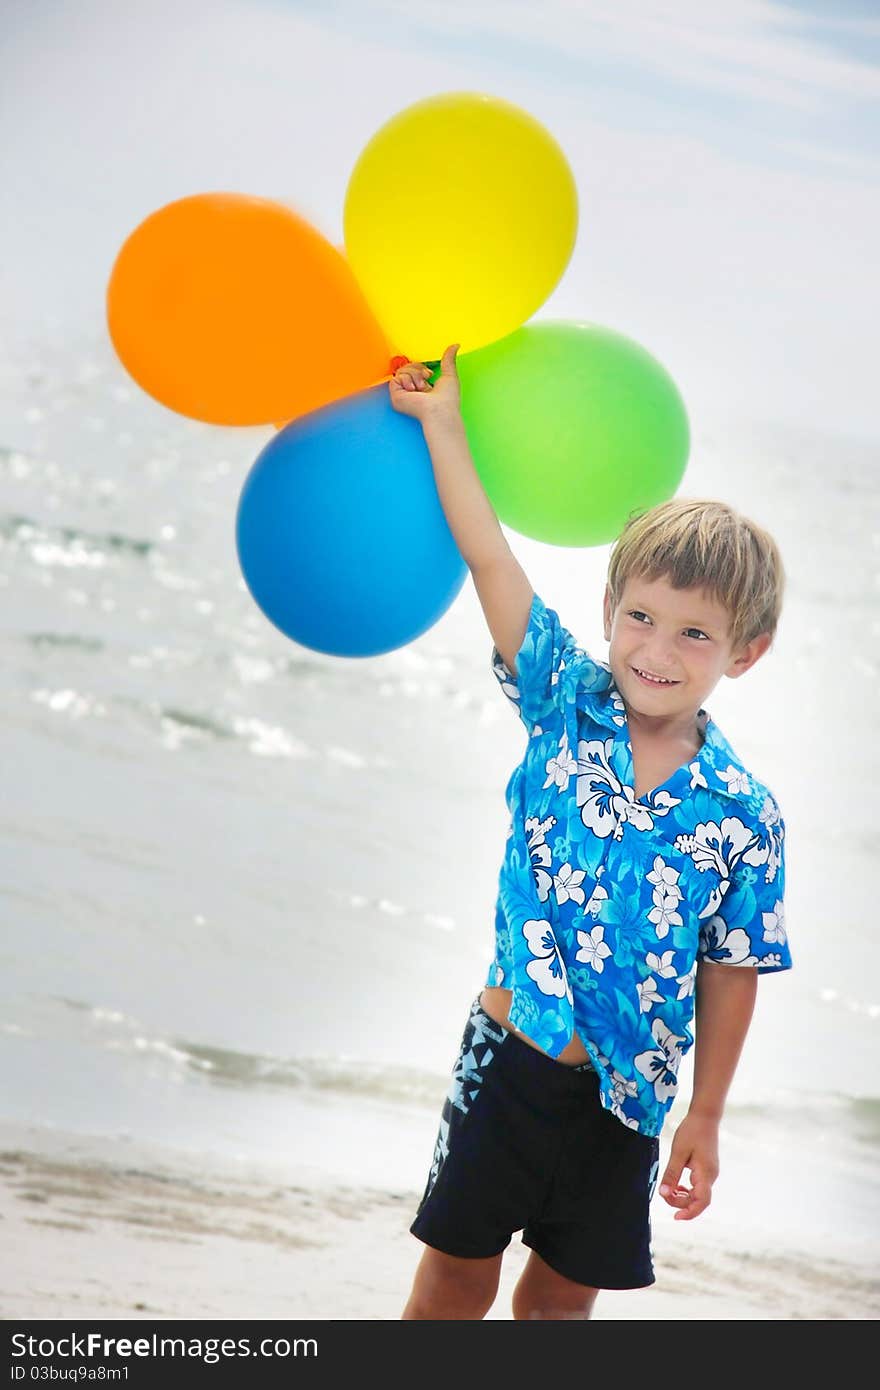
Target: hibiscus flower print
<point>713,846</point>
<point>606,803</point>
<point>599,794</point>
<point>647,992</point>
<point>661,965</point>
<point>593,948</point>
<point>547,969</point>
<point>562,767</point>
<point>666,896</point>
<point>664,914</point>
<point>686,982</point>
<point>729,947</point>
<point>663,876</point>
<point>540,853</point>
<point>719,848</point>
<point>736,779</point>
<point>774,923</point>
<point>659,1065</point>
<point>566,884</point>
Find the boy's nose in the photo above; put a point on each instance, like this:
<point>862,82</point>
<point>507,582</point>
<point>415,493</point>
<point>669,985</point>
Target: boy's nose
<point>659,663</point>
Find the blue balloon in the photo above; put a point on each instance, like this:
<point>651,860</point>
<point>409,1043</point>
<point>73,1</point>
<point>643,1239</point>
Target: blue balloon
<point>341,536</point>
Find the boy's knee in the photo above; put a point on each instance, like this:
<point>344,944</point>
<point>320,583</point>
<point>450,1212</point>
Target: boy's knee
<point>541,1293</point>
<point>451,1286</point>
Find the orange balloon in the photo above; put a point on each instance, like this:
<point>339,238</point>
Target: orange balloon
<point>279,424</point>
<point>237,311</point>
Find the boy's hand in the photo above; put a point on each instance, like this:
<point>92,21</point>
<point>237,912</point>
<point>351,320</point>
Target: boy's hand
<point>412,394</point>
<point>695,1146</point>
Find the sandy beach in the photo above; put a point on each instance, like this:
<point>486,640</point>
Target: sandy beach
<point>118,1230</point>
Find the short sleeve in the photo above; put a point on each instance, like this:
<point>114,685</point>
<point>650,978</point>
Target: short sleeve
<point>749,926</point>
<point>550,666</point>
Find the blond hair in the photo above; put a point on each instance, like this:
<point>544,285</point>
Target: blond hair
<point>697,542</point>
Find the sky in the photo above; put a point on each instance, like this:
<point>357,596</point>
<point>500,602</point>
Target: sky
<point>725,154</point>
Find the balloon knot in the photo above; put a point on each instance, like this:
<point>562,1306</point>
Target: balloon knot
<point>397,362</point>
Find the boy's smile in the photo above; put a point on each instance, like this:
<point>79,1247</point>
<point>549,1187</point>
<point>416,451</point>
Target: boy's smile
<point>681,639</point>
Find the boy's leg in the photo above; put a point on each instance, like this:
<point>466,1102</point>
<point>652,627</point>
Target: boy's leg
<point>452,1287</point>
<point>542,1293</point>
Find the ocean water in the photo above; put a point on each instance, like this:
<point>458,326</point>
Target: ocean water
<point>246,889</point>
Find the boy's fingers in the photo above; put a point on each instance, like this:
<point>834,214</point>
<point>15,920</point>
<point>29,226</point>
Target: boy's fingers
<point>689,1201</point>
<point>677,1197</point>
<point>672,1189</point>
<point>671,1177</point>
<point>697,1202</point>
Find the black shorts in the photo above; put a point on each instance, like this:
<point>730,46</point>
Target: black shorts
<point>525,1144</point>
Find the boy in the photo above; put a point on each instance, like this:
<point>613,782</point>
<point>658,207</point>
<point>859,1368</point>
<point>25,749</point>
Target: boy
<point>643,861</point>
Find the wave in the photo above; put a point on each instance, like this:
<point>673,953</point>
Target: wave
<point>65,641</point>
<point>26,532</point>
<point>224,1066</point>
<point>858,1116</point>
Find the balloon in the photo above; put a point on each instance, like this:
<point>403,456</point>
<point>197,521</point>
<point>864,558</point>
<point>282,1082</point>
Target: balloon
<point>460,217</point>
<point>571,427</point>
<point>279,424</point>
<point>340,533</point>
<point>236,311</point>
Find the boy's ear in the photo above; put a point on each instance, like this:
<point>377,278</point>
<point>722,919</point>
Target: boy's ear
<point>607,613</point>
<point>748,655</point>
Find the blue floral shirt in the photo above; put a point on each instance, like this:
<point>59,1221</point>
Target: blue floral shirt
<point>607,902</point>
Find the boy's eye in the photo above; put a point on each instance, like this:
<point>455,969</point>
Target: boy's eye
<point>637,613</point>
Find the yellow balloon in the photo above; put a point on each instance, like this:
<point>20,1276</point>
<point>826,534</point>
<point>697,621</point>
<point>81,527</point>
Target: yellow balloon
<point>460,218</point>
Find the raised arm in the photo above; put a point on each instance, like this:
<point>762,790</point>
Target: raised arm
<point>502,586</point>
<point>506,597</point>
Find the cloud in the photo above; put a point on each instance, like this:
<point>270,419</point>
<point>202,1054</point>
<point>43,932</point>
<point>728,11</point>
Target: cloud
<point>747,48</point>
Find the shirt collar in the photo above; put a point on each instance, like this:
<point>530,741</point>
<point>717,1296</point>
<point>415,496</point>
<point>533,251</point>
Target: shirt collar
<point>604,703</point>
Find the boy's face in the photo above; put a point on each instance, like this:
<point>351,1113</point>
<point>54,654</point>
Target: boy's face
<point>682,634</point>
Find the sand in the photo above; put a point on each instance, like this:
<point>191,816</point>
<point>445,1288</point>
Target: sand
<point>114,1229</point>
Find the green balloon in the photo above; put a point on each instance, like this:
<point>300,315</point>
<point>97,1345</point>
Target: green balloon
<point>572,427</point>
